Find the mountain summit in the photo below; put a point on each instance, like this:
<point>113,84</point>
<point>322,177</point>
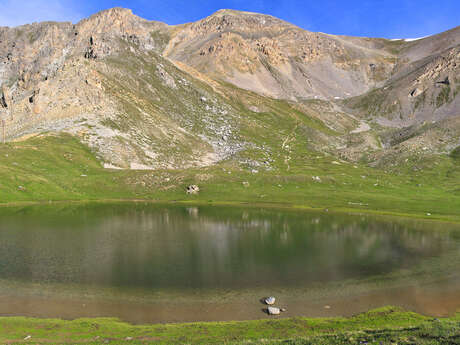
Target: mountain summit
<point>146,95</point>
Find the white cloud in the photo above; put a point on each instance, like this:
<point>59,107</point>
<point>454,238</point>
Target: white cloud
<point>17,12</point>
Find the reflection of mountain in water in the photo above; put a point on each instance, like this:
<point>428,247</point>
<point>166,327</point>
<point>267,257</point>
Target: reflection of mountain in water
<point>203,247</point>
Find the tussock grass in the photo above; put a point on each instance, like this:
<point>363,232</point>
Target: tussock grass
<point>386,325</point>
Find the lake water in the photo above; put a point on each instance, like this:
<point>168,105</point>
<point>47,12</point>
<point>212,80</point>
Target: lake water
<point>148,263</point>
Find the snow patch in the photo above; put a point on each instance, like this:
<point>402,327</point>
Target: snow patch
<point>409,39</point>
<point>414,39</point>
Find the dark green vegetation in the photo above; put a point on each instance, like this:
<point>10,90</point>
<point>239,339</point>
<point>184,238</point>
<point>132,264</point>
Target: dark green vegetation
<point>443,96</point>
<point>456,153</point>
<point>382,326</point>
<point>60,168</point>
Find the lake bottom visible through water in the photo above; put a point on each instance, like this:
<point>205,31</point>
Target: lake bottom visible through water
<point>147,263</point>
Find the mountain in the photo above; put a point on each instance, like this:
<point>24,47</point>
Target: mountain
<point>238,86</point>
<point>271,57</point>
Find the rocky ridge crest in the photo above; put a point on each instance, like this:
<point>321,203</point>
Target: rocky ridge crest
<point>143,94</point>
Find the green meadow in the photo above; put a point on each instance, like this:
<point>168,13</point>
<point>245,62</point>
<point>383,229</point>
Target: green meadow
<point>56,168</point>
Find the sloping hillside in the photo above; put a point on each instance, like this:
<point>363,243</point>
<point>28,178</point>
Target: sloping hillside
<point>236,86</point>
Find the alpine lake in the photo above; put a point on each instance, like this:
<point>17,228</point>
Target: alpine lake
<point>155,263</point>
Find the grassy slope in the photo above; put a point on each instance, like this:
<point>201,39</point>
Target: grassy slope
<point>381,326</point>
<point>61,168</point>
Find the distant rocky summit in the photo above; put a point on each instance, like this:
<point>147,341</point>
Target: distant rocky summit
<point>146,95</point>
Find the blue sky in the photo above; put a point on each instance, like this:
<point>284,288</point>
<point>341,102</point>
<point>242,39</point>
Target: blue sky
<point>376,18</point>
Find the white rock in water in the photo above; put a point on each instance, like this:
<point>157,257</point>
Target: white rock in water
<point>273,311</point>
<point>270,300</point>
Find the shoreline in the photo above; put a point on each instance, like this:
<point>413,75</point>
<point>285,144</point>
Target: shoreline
<point>433,301</point>
<point>451,218</point>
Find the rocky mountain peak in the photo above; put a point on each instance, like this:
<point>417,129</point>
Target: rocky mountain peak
<point>227,11</point>
<point>129,87</point>
<point>114,21</point>
<point>112,14</point>
<point>244,15</point>
<point>267,55</point>
<point>240,21</point>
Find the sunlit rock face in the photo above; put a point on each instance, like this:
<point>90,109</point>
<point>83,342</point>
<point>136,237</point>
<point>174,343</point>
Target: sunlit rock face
<point>145,95</point>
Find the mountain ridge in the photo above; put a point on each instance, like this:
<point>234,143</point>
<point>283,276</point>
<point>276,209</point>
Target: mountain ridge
<point>147,95</point>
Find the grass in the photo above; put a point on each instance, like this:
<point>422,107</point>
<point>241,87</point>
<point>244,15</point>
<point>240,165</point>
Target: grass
<point>388,325</point>
<point>456,153</point>
<point>60,168</point>
<point>443,97</point>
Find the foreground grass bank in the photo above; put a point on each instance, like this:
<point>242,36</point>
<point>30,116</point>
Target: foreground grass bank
<point>387,325</point>
<point>59,168</point>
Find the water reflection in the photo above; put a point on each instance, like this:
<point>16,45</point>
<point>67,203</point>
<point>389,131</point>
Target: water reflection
<point>146,246</point>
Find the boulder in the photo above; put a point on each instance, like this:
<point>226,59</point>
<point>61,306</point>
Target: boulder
<point>270,300</point>
<point>193,189</point>
<point>273,311</point>
<point>166,77</point>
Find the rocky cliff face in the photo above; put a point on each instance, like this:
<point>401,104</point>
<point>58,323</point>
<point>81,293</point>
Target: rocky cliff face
<point>266,55</point>
<point>147,95</point>
<point>423,83</point>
